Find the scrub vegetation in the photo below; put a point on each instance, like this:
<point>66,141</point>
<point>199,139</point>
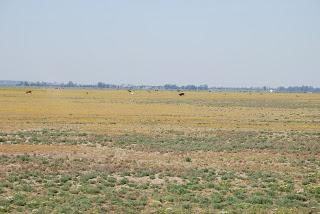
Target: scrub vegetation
<point>102,151</point>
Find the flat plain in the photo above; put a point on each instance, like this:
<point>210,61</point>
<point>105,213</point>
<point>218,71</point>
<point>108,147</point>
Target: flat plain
<point>98,151</point>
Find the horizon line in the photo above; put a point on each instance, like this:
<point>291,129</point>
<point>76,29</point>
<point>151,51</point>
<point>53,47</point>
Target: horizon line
<point>155,85</point>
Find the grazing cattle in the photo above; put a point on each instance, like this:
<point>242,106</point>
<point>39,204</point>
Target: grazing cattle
<point>181,94</point>
<point>28,92</point>
<point>131,92</point>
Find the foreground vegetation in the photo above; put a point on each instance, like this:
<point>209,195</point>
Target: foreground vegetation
<point>69,151</point>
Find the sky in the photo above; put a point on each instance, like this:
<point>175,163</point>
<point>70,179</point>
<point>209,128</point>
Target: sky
<point>227,43</point>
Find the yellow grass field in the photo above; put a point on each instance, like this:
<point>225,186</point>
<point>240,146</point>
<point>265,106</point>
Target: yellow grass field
<point>97,151</point>
<point>107,111</point>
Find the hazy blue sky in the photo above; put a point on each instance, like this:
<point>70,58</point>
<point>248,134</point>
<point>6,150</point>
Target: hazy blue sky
<point>219,43</point>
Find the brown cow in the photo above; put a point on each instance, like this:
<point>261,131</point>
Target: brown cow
<point>28,92</point>
<point>181,94</point>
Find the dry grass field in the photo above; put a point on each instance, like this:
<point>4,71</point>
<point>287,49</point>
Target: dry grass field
<point>107,151</point>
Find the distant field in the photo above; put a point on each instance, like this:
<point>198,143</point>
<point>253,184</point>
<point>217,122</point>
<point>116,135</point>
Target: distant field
<point>71,151</point>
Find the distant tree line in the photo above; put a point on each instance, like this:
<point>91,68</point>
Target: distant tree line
<point>204,87</point>
<point>298,89</point>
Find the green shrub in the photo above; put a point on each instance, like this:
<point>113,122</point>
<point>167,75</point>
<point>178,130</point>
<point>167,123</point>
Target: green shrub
<point>188,159</point>
<point>259,199</point>
<point>19,200</point>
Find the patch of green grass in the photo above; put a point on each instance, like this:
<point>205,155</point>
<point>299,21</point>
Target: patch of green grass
<point>215,140</point>
<point>60,184</point>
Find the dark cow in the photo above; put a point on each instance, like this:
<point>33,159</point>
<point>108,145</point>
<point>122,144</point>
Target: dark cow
<point>181,94</point>
<point>28,92</point>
